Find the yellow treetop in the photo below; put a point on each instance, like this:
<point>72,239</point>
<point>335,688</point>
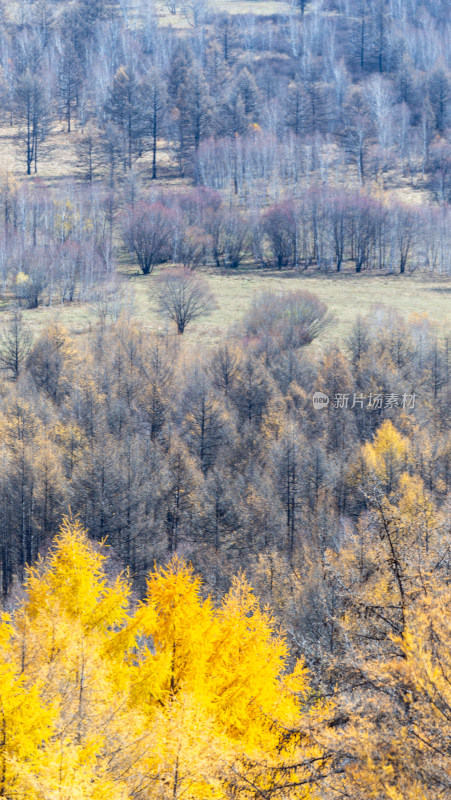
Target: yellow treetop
<point>176,699</point>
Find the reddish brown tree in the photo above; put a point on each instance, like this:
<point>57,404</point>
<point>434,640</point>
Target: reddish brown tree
<point>147,233</point>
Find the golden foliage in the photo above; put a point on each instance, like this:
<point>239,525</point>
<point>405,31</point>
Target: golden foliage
<point>178,698</point>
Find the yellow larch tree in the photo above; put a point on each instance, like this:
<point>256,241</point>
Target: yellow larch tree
<point>26,721</point>
<point>180,699</point>
<point>380,463</point>
<point>387,455</point>
<point>396,742</point>
<point>221,673</point>
<point>61,635</point>
<point>394,701</point>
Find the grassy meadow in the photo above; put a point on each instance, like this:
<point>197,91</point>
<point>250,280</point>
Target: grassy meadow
<point>346,296</point>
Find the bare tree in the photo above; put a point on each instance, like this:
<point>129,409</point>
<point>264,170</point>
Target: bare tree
<point>148,234</point>
<point>30,287</point>
<point>69,79</point>
<point>123,107</point>
<point>31,112</point>
<point>229,233</point>
<point>183,297</point>
<point>15,345</point>
<point>439,90</point>
<point>89,155</point>
<point>155,96</point>
<point>191,246</point>
<point>296,318</point>
<point>279,224</point>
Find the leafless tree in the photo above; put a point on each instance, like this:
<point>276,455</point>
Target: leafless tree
<point>155,96</point>
<point>297,317</point>
<point>148,233</point>
<point>183,297</point>
<point>89,155</point>
<point>15,344</point>
<point>31,112</point>
<point>30,287</point>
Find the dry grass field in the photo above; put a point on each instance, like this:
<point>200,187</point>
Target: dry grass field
<point>259,7</point>
<point>346,296</point>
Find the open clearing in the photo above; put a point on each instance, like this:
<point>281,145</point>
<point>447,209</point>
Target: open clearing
<point>345,295</point>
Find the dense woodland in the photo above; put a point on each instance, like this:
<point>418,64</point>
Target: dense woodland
<point>249,595</point>
<point>317,137</point>
<point>339,517</point>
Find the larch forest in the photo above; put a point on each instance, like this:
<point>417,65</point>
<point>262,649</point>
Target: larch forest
<point>225,450</point>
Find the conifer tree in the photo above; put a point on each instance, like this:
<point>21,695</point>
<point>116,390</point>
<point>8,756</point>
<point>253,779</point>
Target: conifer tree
<point>178,698</point>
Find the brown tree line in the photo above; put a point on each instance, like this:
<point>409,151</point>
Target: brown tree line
<point>61,245</point>
<point>339,514</point>
<point>222,457</point>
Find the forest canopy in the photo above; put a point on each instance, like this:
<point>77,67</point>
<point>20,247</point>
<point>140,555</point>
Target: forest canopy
<point>225,453</point>
<point>174,696</point>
